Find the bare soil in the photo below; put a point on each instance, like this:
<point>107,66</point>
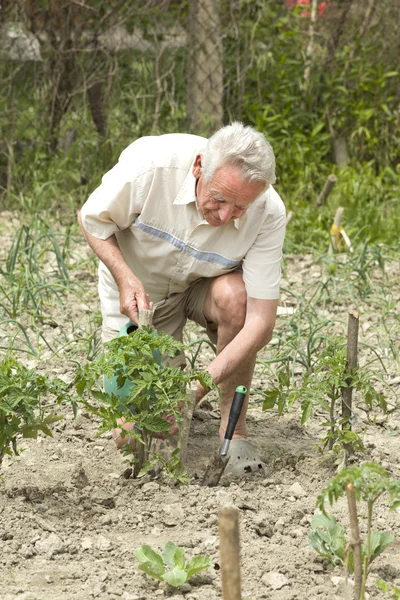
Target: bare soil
<point>70,522</point>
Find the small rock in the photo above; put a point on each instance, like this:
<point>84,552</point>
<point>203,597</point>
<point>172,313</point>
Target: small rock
<point>27,551</point>
<point>275,580</point>
<point>297,491</point>
<point>79,478</point>
<point>104,499</point>
<point>280,524</point>
<point>150,487</point>
<point>50,545</point>
<point>336,579</point>
<point>103,543</point>
<point>105,519</point>
<point>86,543</point>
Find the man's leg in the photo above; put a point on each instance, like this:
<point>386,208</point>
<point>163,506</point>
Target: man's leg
<point>225,305</point>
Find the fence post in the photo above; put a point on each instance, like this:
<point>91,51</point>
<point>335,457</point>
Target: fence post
<point>229,548</point>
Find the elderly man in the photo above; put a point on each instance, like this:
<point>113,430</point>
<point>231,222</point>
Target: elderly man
<point>194,228</point>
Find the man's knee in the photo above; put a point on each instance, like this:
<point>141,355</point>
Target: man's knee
<point>231,300</point>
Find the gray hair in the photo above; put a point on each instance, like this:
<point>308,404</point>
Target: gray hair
<point>242,146</point>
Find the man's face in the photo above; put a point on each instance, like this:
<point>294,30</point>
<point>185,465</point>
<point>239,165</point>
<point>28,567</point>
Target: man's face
<point>227,196</point>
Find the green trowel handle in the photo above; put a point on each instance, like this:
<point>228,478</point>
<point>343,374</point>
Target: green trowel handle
<point>128,328</point>
<point>236,409</point>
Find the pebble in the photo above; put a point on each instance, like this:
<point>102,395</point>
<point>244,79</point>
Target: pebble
<point>103,543</point>
<point>275,580</point>
<point>150,486</point>
<point>86,543</point>
<point>50,545</point>
<point>297,491</point>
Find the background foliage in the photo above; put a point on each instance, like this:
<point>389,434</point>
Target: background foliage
<point>80,81</point>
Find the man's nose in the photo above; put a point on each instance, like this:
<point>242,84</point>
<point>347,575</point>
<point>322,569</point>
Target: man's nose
<point>225,213</point>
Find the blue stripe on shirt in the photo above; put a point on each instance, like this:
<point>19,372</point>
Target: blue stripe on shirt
<point>212,257</point>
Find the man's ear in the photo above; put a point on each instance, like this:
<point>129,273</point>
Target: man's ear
<point>196,169</point>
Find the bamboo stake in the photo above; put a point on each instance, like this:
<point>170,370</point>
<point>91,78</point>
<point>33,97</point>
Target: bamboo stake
<point>328,187</point>
<point>355,542</point>
<point>351,364</point>
<point>310,45</point>
<point>187,413</point>
<point>229,548</point>
<point>336,224</point>
<point>289,217</point>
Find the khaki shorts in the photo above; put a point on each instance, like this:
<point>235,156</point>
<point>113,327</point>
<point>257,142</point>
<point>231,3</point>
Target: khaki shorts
<point>171,314</point>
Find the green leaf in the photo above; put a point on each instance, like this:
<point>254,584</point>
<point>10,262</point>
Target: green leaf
<point>270,398</point>
<point>327,537</point>
<point>179,558</point>
<point>168,554</point>
<point>196,564</point>
<point>146,554</point>
<point>152,569</point>
<point>379,541</point>
<point>176,577</point>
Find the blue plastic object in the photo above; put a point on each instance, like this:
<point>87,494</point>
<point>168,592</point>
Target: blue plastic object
<point>111,385</point>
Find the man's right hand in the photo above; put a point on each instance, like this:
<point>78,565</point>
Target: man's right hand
<point>133,298</point>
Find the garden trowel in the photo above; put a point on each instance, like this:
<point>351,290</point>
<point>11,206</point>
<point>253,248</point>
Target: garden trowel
<point>217,464</point>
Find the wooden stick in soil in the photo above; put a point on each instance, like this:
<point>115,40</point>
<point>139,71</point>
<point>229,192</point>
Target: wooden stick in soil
<point>145,319</point>
<point>289,217</point>
<point>334,245</point>
<point>229,548</point>
<point>355,541</point>
<point>328,187</point>
<point>351,364</point>
<point>187,414</point>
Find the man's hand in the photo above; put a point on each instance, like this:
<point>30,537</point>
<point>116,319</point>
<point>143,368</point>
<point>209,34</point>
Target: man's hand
<point>133,298</point>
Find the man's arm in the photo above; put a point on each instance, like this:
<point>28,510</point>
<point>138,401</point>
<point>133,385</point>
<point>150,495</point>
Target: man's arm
<point>255,334</point>
<point>133,296</point>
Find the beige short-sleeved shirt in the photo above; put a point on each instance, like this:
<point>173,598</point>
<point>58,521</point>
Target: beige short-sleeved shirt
<point>148,201</point>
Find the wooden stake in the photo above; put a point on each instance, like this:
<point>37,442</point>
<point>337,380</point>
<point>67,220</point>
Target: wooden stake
<point>355,541</point>
<point>351,364</point>
<point>336,224</point>
<point>328,187</point>
<point>145,318</point>
<point>187,413</point>
<point>289,217</point>
<point>229,548</point>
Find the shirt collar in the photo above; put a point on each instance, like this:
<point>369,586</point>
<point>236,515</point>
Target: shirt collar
<point>187,194</point>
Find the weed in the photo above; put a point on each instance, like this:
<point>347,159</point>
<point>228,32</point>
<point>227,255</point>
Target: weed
<point>24,283</point>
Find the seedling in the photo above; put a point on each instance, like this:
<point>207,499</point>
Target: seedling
<point>25,404</point>
<point>171,565</point>
<point>368,483</point>
<point>157,393</point>
<point>328,538</point>
<point>322,389</point>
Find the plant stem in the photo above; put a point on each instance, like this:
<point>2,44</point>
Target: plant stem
<point>368,549</point>
<point>355,540</point>
<point>332,419</point>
